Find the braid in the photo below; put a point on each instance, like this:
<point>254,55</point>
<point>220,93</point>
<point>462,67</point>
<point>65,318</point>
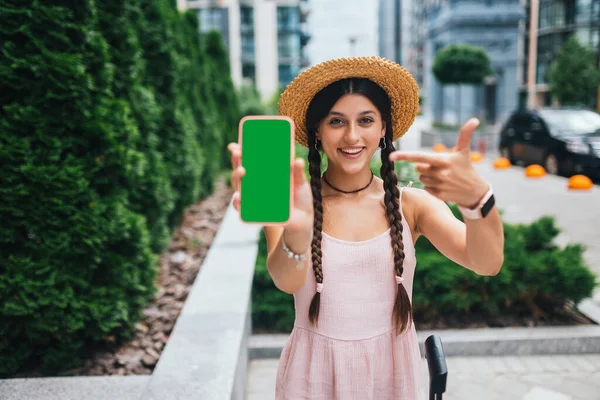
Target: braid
<point>402,314</point>
<point>314,158</point>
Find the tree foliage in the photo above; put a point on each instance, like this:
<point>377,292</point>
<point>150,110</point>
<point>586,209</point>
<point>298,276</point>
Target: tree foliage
<point>574,76</point>
<point>461,63</point>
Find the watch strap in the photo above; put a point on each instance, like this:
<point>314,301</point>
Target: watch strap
<point>482,209</point>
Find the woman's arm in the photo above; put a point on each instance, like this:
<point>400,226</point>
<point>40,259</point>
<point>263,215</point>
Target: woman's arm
<point>450,177</point>
<point>297,233</point>
<point>282,269</point>
<point>475,244</point>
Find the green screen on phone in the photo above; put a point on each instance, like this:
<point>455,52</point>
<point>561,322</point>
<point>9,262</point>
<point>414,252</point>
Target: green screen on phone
<point>266,156</point>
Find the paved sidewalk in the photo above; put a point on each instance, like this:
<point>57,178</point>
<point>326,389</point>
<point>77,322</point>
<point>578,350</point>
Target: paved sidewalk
<point>489,378</point>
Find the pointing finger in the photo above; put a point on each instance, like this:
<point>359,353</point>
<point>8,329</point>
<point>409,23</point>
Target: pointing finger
<point>423,168</point>
<point>435,160</point>
<point>465,134</point>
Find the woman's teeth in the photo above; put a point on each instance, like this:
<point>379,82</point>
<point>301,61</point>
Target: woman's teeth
<point>351,152</point>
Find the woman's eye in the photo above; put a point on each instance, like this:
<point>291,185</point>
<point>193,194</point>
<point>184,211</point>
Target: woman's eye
<point>366,120</point>
<point>335,121</point>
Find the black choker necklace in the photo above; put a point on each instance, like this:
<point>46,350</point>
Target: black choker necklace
<point>351,191</point>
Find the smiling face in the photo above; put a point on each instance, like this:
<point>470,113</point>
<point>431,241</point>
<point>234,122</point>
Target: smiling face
<point>351,132</point>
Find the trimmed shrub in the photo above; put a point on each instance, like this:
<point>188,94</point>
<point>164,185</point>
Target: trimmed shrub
<point>106,137</point>
<point>75,260</point>
<point>537,277</point>
<point>223,92</point>
<point>177,133</point>
<point>153,195</point>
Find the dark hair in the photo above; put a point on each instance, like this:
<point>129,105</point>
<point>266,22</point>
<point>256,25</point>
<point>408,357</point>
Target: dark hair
<point>317,110</point>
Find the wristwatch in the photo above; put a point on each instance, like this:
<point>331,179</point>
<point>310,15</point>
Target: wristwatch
<point>482,209</point>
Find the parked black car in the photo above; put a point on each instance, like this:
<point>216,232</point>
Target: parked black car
<point>564,141</point>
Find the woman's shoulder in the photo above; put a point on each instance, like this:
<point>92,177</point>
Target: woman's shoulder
<point>410,199</point>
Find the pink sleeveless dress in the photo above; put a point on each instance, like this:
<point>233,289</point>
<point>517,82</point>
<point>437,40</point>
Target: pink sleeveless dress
<point>354,353</point>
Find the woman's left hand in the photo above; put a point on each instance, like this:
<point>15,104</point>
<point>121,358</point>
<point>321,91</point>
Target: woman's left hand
<point>450,177</point>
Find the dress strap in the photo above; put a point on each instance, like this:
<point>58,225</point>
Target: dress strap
<point>400,197</point>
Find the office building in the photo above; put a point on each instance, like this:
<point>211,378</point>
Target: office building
<point>265,38</point>
<point>556,21</point>
<point>493,25</point>
<point>402,34</point>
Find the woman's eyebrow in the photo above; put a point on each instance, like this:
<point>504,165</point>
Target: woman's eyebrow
<point>343,115</point>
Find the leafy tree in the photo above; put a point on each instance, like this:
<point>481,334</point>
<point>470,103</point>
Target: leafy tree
<point>574,76</point>
<point>461,64</point>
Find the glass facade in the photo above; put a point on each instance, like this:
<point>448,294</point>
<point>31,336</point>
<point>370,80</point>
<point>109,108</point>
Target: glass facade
<point>289,23</point>
<point>288,43</point>
<point>418,38</point>
<point>558,19</point>
<point>248,42</point>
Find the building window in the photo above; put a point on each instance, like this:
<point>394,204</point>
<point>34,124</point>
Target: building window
<point>552,13</point>
<point>247,16</point>
<point>595,12</point>
<point>214,18</point>
<point>248,47</point>
<point>249,71</point>
<point>288,45</point>
<point>583,8</point>
<point>288,19</point>
<point>247,34</point>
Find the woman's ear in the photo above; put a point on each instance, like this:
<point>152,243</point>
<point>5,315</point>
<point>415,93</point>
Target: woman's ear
<point>383,130</point>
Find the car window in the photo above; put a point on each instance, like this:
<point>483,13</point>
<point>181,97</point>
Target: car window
<point>571,122</point>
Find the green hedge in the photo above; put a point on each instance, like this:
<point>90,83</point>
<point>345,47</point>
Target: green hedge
<point>108,130</point>
<point>537,276</point>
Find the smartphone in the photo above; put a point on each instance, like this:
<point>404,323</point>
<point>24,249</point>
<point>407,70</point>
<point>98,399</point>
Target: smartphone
<point>267,146</point>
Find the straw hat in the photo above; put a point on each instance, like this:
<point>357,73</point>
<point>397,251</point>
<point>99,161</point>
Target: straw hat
<point>394,79</point>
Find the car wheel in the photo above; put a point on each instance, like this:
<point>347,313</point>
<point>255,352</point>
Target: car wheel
<point>552,165</point>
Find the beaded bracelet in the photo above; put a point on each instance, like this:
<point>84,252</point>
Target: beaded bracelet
<point>300,258</point>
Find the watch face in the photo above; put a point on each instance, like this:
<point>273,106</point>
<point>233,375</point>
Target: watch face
<point>487,207</point>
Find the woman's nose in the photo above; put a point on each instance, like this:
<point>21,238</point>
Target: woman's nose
<point>352,133</point>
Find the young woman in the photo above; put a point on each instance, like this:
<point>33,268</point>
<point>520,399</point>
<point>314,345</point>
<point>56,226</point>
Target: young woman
<point>353,336</point>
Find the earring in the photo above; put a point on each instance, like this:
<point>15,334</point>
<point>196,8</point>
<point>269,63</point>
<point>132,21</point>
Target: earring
<point>317,144</point>
<point>384,144</point>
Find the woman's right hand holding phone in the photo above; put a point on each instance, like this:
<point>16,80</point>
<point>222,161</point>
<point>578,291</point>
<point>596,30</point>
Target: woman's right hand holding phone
<point>300,226</point>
